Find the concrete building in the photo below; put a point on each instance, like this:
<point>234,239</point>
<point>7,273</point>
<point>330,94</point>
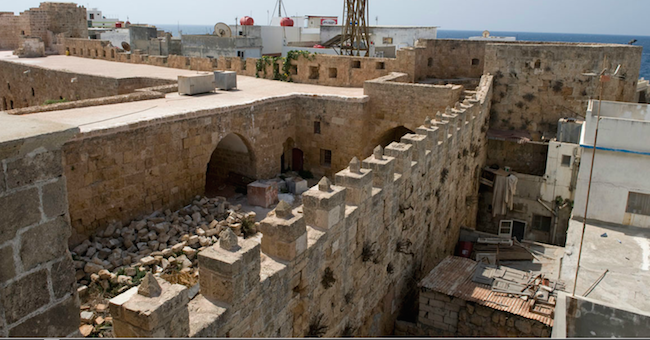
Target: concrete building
<point>620,190</point>
<point>97,19</point>
<point>385,41</point>
<point>143,38</point>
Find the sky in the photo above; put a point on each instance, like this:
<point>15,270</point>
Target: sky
<point>617,17</point>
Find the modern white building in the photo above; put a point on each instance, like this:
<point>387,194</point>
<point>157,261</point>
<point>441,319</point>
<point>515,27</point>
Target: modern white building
<point>97,19</point>
<point>620,189</point>
<point>385,41</point>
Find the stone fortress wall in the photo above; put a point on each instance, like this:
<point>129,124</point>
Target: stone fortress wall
<point>51,21</point>
<point>535,83</point>
<point>26,85</point>
<point>38,294</point>
<point>343,262</point>
<point>120,174</point>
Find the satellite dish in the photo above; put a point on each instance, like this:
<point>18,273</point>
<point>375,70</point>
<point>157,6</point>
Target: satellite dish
<point>222,30</point>
<point>126,46</point>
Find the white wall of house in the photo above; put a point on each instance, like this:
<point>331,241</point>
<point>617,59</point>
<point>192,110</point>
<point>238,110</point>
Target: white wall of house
<point>560,167</point>
<point>622,162</point>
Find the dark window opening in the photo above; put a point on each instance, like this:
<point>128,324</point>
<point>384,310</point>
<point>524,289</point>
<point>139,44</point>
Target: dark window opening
<point>356,63</point>
<point>22,32</point>
<point>293,70</point>
<point>538,64</point>
<point>92,16</point>
<point>325,157</point>
<point>113,54</point>
<point>566,161</point>
<point>381,65</point>
<point>430,62</point>
<point>313,72</point>
<point>638,203</point>
<point>104,53</point>
<point>541,223</point>
<point>12,104</point>
<point>228,64</point>
<point>333,72</point>
<point>33,93</point>
<point>475,62</point>
<point>317,128</point>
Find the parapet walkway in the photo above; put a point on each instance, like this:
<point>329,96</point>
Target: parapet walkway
<point>250,90</point>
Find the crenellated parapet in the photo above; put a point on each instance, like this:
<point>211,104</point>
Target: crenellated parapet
<point>348,249</point>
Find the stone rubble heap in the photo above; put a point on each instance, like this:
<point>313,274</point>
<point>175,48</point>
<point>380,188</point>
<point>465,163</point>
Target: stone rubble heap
<point>116,255</point>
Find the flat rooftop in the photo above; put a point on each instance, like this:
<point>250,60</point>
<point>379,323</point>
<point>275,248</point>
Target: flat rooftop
<point>249,91</point>
<point>624,250</point>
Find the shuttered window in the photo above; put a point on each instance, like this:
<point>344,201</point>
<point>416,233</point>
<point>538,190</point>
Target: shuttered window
<point>638,203</point>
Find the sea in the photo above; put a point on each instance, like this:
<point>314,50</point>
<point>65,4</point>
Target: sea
<point>641,40</point>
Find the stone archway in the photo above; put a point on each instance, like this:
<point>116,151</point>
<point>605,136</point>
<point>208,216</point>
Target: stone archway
<point>393,135</point>
<point>231,167</point>
<point>292,158</point>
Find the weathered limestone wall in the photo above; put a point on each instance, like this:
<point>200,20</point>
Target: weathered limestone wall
<point>342,263</point>
<point>395,103</point>
<point>317,69</point>
<point>523,158</point>
<point>449,59</point>
<point>38,296</point>
<point>535,84</point>
<point>443,315</point>
<point>128,172</point>
<point>50,21</point>
<point>28,85</point>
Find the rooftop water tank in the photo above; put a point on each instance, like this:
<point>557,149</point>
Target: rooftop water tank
<point>286,22</point>
<point>247,21</point>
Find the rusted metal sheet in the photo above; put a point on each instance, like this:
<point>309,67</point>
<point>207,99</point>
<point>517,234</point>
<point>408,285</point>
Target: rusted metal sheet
<point>453,277</point>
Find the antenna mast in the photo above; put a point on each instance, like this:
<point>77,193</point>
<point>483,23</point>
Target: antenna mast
<point>354,39</point>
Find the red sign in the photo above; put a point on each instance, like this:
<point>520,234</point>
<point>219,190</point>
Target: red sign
<point>329,21</point>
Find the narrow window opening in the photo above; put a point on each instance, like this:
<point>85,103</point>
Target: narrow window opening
<point>430,62</point>
<point>381,65</point>
<point>356,64</point>
<point>538,64</point>
<point>313,72</point>
<point>333,72</point>
<point>33,93</point>
<point>566,161</point>
<point>326,157</point>
<point>475,62</point>
<point>317,128</point>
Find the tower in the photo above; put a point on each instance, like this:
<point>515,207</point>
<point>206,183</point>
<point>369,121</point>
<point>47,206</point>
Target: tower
<point>354,39</point>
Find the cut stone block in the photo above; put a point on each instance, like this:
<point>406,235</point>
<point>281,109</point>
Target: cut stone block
<point>297,185</point>
<point>284,237</point>
<point>324,209</point>
<point>263,194</point>
<point>195,84</point>
<point>165,316</point>
<point>227,275</point>
<point>226,80</point>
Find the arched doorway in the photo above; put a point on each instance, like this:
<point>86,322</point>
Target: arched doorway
<point>393,135</point>
<point>231,167</point>
<point>292,158</point>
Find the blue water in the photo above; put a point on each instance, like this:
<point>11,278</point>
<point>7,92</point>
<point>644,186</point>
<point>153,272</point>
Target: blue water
<point>642,40</point>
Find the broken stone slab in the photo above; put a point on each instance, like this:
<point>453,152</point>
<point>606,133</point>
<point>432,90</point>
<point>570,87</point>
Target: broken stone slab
<point>87,316</point>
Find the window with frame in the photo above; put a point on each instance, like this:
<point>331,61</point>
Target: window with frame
<point>387,40</point>
<point>541,223</point>
<point>638,203</point>
<point>325,157</point>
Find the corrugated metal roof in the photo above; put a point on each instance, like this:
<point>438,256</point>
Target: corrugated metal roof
<point>453,276</point>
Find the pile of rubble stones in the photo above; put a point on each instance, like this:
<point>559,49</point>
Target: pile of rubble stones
<point>117,257</point>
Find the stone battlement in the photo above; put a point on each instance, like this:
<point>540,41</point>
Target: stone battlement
<point>340,263</point>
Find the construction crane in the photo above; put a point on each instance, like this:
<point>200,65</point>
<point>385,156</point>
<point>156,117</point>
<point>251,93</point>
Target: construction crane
<point>354,39</point>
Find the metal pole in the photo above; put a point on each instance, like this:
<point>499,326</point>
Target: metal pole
<point>591,172</point>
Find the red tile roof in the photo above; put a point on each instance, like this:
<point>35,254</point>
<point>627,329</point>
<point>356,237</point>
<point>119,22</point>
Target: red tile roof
<point>453,277</point>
